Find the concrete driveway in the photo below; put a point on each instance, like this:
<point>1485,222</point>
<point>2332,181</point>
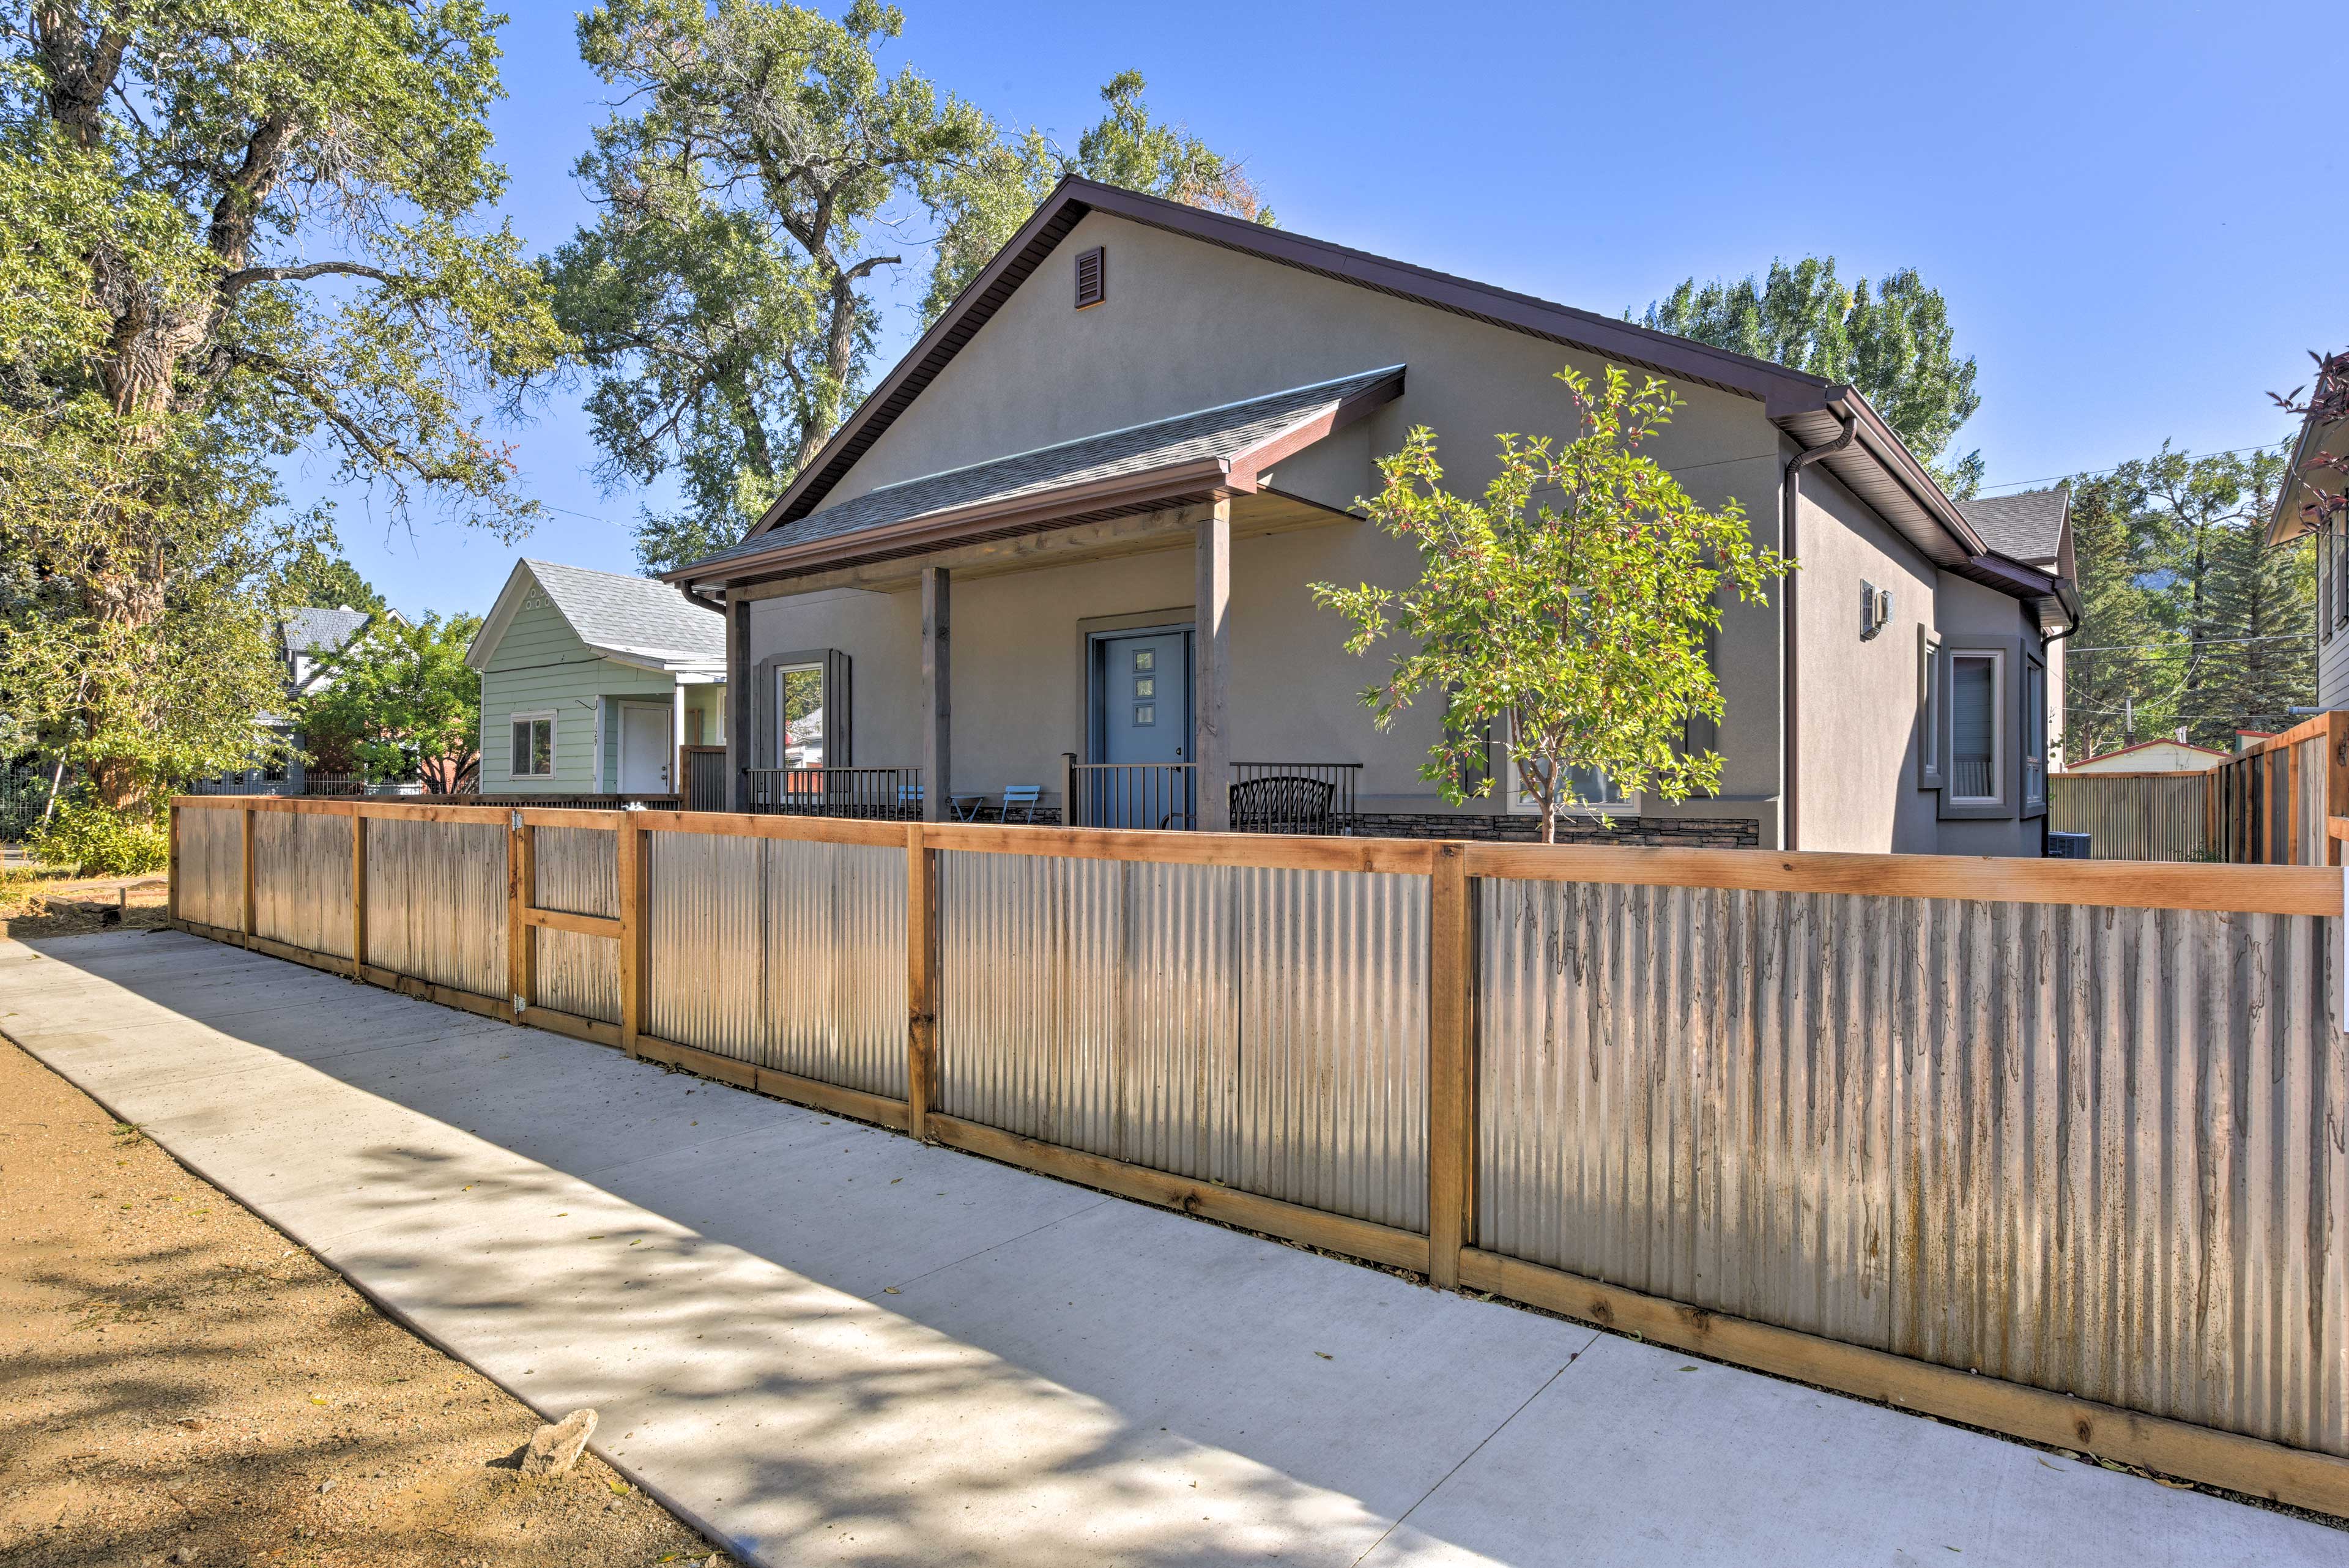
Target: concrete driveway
<point>823,1343</point>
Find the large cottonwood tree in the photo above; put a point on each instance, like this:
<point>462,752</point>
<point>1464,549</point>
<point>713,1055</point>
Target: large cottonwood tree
<point>237,229</point>
<point>763,180</point>
<point>1891,340</point>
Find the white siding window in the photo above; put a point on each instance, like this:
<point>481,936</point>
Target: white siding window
<point>1977,750</point>
<point>533,745</point>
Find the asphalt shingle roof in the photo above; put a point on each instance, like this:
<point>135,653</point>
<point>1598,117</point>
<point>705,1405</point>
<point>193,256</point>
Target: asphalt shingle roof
<point>1221,432</point>
<point>316,631</point>
<point>2027,526</point>
<point>636,614</point>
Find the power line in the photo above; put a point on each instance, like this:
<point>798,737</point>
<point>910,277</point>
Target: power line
<point>2093,472</point>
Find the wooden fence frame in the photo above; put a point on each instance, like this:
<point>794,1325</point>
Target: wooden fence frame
<point>1445,1255</point>
<point>2243,785</point>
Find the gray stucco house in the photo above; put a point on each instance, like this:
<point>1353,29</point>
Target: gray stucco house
<point>1066,543</point>
<point>592,682</point>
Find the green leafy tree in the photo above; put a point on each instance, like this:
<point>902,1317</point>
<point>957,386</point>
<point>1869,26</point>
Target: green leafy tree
<point>722,301</point>
<point>2109,662</point>
<point>235,229</point>
<point>1892,340</point>
<point>318,576</point>
<point>408,700</point>
<point>984,201</point>
<point>1579,623</point>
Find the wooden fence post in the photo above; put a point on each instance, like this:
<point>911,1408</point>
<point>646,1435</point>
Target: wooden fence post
<point>635,930</point>
<point>521,892</point>
<point>1451,1064</point>
<point>244,877</point>
<point>921,981</point>
<point>171,889</point>
<point>2336,778</point>
<point>358,893</point>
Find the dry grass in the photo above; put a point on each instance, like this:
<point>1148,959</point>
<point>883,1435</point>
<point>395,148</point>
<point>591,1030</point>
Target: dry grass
<point>178,1383</point>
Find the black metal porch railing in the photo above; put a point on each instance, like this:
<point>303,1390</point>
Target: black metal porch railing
<point>887,793</point>
<point>1131,795</point>
<point>1293,797</point>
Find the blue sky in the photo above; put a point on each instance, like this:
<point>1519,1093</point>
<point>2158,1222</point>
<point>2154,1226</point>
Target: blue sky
<point>2131,209</point>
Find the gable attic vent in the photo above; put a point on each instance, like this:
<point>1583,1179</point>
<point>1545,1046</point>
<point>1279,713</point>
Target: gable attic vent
<point>1092,277</point>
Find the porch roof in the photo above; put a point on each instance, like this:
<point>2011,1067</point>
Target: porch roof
<point>1221,450</point>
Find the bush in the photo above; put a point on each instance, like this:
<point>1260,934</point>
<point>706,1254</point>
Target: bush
<point>91,841</point>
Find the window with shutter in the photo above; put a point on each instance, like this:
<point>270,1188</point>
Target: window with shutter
<point>1092,277</point>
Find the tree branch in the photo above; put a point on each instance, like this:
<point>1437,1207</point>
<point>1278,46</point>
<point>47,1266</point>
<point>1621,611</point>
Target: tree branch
<point>245,277</point>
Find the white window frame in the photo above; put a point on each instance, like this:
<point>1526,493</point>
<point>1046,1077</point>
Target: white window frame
<point>1998,728</point>
<point>1521,802</point>
<point>2035,736</point>
<point>553,732</point>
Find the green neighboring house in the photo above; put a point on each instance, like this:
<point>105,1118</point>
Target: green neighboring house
<point>592,682</point>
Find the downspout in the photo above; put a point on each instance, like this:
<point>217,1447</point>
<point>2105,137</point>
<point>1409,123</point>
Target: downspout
<point>1790,642</point>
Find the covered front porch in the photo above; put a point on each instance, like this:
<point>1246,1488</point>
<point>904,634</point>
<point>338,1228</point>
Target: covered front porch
<point>971,685</point>
<point>1116,632</point>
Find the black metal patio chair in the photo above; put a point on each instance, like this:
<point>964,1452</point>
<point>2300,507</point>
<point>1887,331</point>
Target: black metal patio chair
<point>1283,802</point>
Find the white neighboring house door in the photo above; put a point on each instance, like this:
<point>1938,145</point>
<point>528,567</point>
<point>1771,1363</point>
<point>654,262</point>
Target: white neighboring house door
<point>644,750</point>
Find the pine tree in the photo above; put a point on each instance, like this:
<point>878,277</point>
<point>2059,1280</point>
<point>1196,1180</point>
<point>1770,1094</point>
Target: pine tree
<point>2108,664</point>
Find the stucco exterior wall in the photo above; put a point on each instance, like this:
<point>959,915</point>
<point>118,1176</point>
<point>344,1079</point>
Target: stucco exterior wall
<point>1858,771</point>
<point>1188,326</point>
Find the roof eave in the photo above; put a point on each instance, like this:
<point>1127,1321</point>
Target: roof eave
<point>939,529</point>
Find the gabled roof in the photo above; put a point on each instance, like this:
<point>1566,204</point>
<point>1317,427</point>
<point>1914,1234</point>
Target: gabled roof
<point>634,620</point>
<point>2307,485</point>
<point>2027,526</point>
<point>1224,447</point>
<point>323,631</point>
<point>1810,411</point>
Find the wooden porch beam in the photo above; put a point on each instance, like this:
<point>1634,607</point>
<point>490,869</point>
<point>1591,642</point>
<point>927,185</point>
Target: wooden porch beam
<point>938,693</point>
<point>1211,643</point>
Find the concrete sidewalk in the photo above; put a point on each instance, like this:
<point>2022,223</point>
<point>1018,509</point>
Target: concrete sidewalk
<point>824,1343</point>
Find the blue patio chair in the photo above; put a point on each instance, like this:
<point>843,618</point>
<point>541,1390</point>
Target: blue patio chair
<point>909,801</point>
<point>1021,799</point>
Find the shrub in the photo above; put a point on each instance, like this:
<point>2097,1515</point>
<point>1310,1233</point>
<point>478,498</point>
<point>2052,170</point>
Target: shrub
<point>91,841</point>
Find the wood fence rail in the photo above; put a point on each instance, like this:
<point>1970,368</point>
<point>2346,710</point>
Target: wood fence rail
<point>1886,1124</point>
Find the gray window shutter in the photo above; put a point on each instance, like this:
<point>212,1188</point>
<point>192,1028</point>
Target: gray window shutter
<point>840,733</point>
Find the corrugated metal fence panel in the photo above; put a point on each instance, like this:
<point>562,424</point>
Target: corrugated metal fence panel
<point>437,902</point>
<point>1265,1029</point>
<point>2134,816</point>
<point>212,866</point>
<point>835,963</point>
<point>1030,1005</point>
<point>1333,1032</point>
<point>302,880</point>
<point>577,871</point>
<point>708,908</point>
<point>2092,1150</point>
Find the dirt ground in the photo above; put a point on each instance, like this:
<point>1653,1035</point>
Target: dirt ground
<point>39,902</point>
<point>179,1382</point>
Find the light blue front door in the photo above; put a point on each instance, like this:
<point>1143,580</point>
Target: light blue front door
<point>1142,706</point>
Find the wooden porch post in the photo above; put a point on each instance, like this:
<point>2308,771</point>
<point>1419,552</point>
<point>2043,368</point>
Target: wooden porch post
<point>938,694</point>
<point>738,701</point>
<point>1211,675</point>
